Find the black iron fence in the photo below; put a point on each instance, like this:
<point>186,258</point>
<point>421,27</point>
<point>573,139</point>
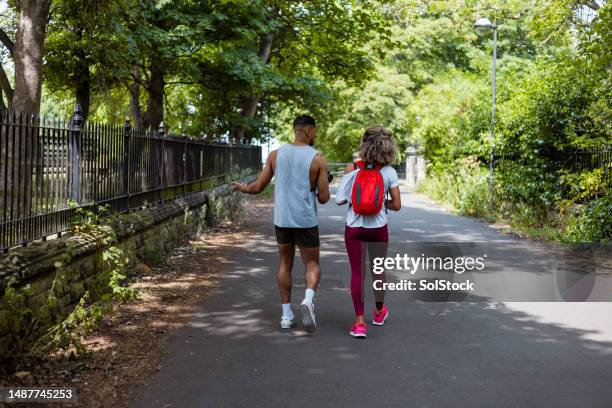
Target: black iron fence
<point>48,167</point>
<point>577,160</point>
<point>400,168</point>
<point>570,159</point>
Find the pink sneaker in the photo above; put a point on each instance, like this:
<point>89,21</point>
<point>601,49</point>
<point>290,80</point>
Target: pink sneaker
<point>358,330</point>
<point>380,317</point>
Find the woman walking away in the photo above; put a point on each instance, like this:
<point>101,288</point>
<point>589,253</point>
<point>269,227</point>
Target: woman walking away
<point>364,188</point>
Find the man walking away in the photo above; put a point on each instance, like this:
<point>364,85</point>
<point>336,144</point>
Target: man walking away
<point>300,174</point>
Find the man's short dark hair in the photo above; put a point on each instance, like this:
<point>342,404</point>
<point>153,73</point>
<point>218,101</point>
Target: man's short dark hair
<point>304,120</point>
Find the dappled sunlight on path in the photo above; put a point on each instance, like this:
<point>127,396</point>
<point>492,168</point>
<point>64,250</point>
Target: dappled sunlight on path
<point>483,353</point>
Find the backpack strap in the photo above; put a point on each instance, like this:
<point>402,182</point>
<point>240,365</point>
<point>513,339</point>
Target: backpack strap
<point>387,196</point>
<point>360,164</point>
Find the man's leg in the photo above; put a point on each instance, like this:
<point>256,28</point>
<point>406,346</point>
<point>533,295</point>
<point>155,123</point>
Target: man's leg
<point>312,272</point>
<point>312,276</point>
<point>283,275</point>
<point>283,278</point>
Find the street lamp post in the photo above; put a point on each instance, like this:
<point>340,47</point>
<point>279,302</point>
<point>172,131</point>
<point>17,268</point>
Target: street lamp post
<point>486,24</point>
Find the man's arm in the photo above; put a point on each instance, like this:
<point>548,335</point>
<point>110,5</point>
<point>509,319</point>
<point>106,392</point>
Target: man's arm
<point>262,181</point>
<point>322,181</point>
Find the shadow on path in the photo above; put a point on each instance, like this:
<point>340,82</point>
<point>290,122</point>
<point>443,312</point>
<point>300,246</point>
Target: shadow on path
<point>478,354</point>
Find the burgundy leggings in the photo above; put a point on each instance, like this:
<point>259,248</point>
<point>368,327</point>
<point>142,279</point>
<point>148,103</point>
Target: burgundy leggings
<point>358,240</point>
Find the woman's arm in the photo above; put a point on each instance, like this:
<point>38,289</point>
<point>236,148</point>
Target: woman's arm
<point>395,204</point>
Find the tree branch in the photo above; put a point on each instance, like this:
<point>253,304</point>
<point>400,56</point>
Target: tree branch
<point>8,43</point>
<point>2,104</point>
<point>183,83</point>
<point>138,81</point>
<point>6,85</point>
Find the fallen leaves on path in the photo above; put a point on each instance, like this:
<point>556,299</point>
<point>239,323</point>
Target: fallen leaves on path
<point>128,345</point>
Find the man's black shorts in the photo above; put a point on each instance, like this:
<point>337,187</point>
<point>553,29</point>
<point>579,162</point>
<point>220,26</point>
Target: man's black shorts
<point>304,237</point>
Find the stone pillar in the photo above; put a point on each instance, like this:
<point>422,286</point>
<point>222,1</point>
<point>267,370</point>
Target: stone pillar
<point>415,168</point>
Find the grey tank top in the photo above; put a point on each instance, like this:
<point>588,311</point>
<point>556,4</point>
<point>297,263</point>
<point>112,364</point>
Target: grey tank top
<point>294,204</point>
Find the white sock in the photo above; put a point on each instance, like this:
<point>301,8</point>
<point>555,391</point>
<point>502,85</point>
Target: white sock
<point>287,310</point>
<point>309,295</point>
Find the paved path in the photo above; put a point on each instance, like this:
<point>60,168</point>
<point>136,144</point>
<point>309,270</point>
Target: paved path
<point>480,354</point>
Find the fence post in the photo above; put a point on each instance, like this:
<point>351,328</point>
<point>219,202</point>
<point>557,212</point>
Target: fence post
<point>185,141</point>
<point>227,178</point>
<point>127,128</point>
<point>76,125</point>
<point>161,133</point>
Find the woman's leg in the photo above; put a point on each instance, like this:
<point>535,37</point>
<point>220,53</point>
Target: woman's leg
<point>356,259</point>
<point>378,243</point>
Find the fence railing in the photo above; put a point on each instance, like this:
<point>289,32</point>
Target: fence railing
<point>48,167</point>
<point>584,159</point>
<point>573,160</point>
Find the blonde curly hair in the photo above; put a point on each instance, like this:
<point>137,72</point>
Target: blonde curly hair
<point>378,146</point>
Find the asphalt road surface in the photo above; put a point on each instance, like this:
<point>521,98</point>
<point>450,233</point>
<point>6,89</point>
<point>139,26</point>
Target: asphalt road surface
<point>481,353</point>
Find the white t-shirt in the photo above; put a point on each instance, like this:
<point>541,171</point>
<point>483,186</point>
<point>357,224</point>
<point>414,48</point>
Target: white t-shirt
<point>343,196</point>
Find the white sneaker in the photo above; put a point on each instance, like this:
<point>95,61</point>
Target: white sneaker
<point>286,322</point>
<point>308,316</point>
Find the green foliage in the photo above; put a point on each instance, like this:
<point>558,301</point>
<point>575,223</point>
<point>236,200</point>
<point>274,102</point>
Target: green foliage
<point>443,117</point>
<point>582,186</point>
<point>464,187</point>
<point>417,67</point>
<point>594,224</point>
<point>17,313</point>
<point>89,223</point>
<point>208,55</point>
<point>553,94</point>
<point>41,328</point>
<point>67,334</point>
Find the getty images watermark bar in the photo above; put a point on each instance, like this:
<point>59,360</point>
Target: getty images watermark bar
<point>511,271</point>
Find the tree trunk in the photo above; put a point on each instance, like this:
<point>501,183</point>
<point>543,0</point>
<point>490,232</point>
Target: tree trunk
<point>249,104</point>
<point>247,110</point>
<point>134,88</point>
<point>82,79</point>
<point>155,105</point>
<point>154,115</point>
<point>82,88</point>
<point>28,54</point>
<point>83,94</point>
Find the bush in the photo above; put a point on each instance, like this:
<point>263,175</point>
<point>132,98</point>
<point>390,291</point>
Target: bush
<point>463,187</point>
<point>527,199</point>
<point>594,224</point>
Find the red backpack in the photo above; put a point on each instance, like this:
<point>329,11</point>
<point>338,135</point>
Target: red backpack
<point>368,192</point>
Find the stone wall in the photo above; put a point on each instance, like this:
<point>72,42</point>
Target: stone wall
<point>147,235</point>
